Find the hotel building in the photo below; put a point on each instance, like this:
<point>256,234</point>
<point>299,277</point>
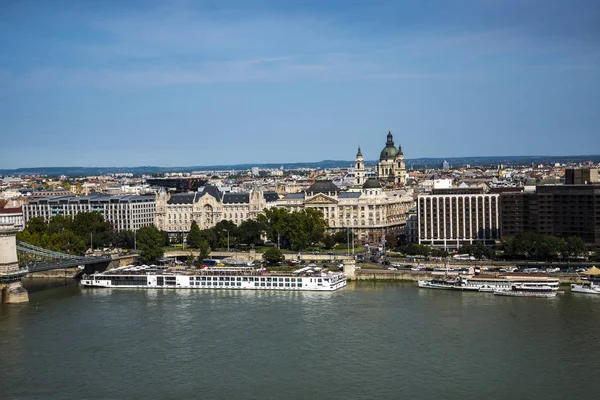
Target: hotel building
<point>124,212</point>
<point>449,218</point>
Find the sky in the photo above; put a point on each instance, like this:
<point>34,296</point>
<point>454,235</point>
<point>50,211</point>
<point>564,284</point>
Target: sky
<point>181,83</point>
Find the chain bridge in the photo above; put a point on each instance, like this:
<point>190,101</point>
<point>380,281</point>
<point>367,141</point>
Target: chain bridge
<point>17,259</point>
<point>38,259</point>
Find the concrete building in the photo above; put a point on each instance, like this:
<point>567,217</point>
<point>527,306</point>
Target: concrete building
<point>124,212</point>
<point>370,211</point>
<point>391,169</point>
<point>175,212</point>
<point>449,218</point>
<point>581,176</point>
<point>559,210</point>
<point>12,216</point>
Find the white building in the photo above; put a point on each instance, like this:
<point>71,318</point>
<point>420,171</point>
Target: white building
<point>369,211</point>
<point>124,212</point>
<point>449,218</point>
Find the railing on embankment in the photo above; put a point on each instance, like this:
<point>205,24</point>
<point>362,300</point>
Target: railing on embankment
<point>255,256</point>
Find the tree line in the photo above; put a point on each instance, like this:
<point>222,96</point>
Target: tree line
<point>525,246</point>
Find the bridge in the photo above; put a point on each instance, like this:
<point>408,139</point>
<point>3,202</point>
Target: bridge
<point>38,259</point>
<point>17,259</point>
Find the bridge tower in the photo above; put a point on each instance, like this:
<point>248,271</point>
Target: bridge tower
<point>10,273</point>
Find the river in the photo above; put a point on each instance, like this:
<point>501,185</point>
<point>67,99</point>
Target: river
<point>369,340</point>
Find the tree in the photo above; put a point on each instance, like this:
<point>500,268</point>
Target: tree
<point>194,237</point>
<point>250,232</point>
<point>273,255</point>
<point>341,237</point>
<point>190,259</point>
<point>124,239</point>
<point>93,223</point>
<point>575,246</point>
<point>328,242</point>
<point>37,225</point>
<point>204,249</point>
<point>60,224</point>
<point>150,242</point>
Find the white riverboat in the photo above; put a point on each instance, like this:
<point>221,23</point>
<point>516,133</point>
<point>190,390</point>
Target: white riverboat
<point>527,289</point>
<point>491,283</point>
<point>447,283</point>
<point>242,278</point>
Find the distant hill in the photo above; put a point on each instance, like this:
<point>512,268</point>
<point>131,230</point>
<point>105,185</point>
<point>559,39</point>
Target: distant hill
<point>410,163</point>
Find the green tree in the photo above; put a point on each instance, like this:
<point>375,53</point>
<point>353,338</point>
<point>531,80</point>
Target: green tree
<point>250,232</point>
<point>575,247</point>
<point>190,260</point>
<point>204,250</point>
<point>93,228</point>
<point>124,239</point>
<point>328,242</point>
<point>37,225</point>
<point>273,255</point>
<point>194,237</point>
<point>341,237</point>
<point>150,243</point>
<point>60,224</point>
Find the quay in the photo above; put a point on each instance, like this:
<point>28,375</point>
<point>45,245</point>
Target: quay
<point>358,273</point>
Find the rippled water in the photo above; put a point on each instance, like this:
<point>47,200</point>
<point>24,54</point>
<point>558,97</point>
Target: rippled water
<point>369,340</point>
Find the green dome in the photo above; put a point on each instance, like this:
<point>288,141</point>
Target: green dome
<point>389,151</point>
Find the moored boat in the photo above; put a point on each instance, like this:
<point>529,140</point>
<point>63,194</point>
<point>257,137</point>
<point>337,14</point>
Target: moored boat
<point>593,284</point>
<point>585,288</point>
<point>243,278</point>
<point>528,289</point>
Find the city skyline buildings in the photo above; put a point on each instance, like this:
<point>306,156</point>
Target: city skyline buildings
<point>185,83</point>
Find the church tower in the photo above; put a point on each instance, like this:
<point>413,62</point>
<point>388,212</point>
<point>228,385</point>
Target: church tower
<point>359,169</point>
<point>400,167</point>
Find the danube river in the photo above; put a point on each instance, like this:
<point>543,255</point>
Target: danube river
<point>369,340</point>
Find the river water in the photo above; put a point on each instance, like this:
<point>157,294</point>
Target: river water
<point>369,340</point>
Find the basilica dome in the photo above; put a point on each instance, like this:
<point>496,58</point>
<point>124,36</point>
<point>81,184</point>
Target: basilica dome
<point>390,151</point>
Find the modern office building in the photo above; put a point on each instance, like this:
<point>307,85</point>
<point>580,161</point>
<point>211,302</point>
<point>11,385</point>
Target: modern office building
<point>559,210</point>
<point>581,176</point>
<point>175,212</point>
<point>450,218</point>
<point>124,212</point>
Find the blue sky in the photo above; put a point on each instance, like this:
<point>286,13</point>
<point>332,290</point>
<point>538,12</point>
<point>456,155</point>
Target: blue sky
<point>175,83</point>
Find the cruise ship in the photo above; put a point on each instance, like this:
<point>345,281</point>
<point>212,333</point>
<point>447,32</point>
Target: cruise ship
<point>242,278</point>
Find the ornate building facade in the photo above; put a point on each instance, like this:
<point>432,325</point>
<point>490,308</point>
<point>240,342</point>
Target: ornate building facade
<point>175,212</point>
<point>369,211</point>
<point>390,168</point>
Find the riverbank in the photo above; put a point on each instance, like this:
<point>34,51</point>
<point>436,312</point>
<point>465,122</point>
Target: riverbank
<point>371,274</point>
